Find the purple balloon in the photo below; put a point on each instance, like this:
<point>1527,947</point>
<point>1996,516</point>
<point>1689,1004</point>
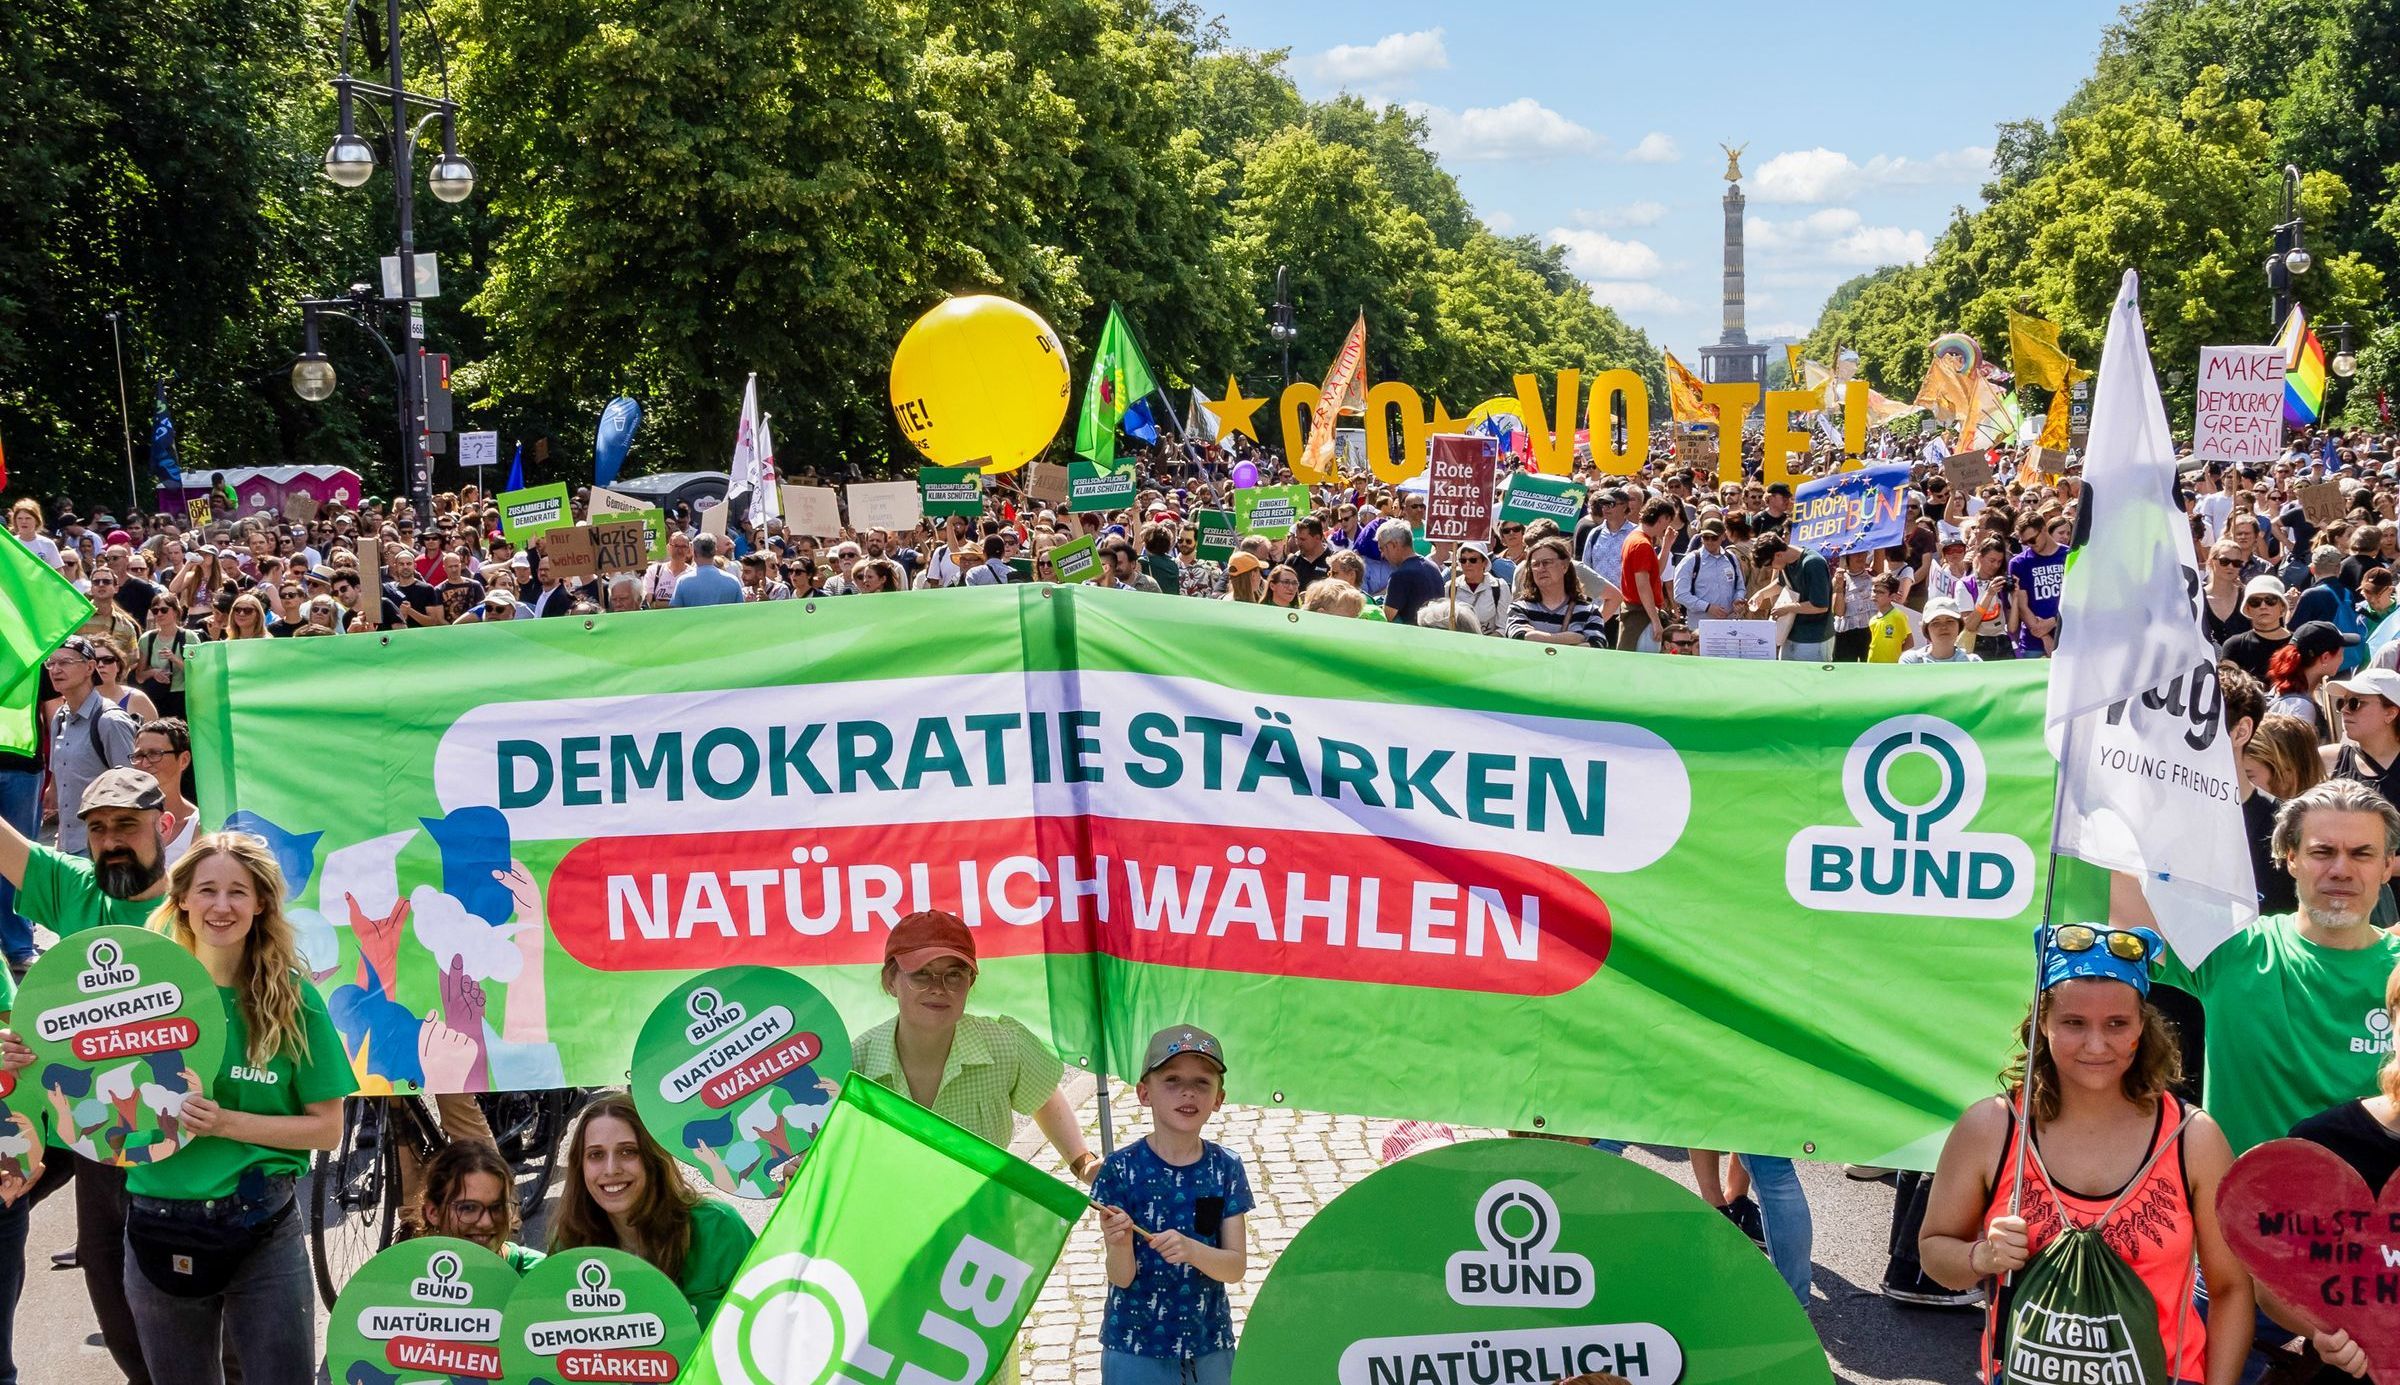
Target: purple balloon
<point>1245,475</point>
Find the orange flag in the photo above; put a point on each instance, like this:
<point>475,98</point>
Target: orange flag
<point>1344,392</point>
<point>1683,394</point>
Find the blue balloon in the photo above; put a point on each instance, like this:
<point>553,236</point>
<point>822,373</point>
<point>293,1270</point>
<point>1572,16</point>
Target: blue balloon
<point>295,852</point>
<point>617,423</point>
<point>474,843</point>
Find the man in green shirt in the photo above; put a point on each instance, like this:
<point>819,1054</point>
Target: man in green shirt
<point>121,882</point>
<point>2296,1022</point>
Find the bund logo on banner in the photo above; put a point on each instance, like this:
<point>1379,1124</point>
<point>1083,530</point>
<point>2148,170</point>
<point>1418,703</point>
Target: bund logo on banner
<point>1911,852</point>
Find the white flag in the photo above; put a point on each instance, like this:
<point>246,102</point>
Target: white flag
<point>1203,422</point>
<point>766,492</point>
<point>2148,784</point>
<point>744,470</point>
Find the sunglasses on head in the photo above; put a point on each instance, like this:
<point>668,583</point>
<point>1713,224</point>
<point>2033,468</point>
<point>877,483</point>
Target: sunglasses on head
<point>2082,937</point>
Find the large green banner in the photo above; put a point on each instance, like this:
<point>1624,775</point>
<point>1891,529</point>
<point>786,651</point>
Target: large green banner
<point>1776,908</point>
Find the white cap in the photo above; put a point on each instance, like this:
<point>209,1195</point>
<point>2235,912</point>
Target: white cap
<point>2372,682</point>
<point>1943,608</point>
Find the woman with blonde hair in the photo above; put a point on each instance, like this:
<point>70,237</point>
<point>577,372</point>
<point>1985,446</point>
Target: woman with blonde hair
<point>2282,758</point>
<point>213,1248</point>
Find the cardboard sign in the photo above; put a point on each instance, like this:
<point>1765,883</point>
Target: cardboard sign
<point>2323,503</point>
<point>621,545</point>
<point>198,512</point>
<point>2237,407</point>
<point>528,512</point>
<point>1046,484</point>
<point>950,490</point>
<point>1078,561</point>
<point>1736,639</point>
<point>1217,534</point>
<point>892,505</point>
<point>299,507</point>
<point>2312,1231</point>
<point>1091,486</point>
<point>1461,487</point>
<point>1269,510</point>
<point>1528,497</point>
<point>1697,448</point>
<point>714,518</point>
<point>1968,471</point>
<point>603,501</point>
<point>736,1070</point>
<point>426,1307</point>
<point>812,510</point>
<point>370,566</point>
<point>569,554</point>
<point>116,1018</point>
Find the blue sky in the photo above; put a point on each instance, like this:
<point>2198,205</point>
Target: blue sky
<point>1596,126</point>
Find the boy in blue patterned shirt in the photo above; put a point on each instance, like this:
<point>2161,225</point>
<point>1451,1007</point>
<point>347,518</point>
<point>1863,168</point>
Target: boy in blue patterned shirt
<point>1174,1211</point>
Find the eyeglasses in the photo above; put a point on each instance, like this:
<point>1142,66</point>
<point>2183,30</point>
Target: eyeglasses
<point>947,979</point>
<point>143,757</point>
<point>469,1210</point>
<point>2082,937</point>
<point>1683,644</point>
<point>1472,558</point>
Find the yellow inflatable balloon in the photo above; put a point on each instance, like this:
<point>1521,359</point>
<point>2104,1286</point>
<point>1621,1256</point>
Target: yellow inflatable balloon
<point>980,382</point>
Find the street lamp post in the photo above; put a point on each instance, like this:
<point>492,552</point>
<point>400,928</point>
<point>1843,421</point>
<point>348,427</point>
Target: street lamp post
<point>1280,325</point>
<point>2290,258</point>
<point>349,163</point>
<point>2345,360</point>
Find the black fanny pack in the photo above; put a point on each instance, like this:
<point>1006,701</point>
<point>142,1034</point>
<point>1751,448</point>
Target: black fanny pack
<point>191,1249</point>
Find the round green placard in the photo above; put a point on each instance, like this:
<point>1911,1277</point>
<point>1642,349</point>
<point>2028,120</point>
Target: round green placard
<point>123,1025</point>
<point>735,1072</point>
<point>1523,1262</point>
<point>427,1309</point>
<point>596,1314</point>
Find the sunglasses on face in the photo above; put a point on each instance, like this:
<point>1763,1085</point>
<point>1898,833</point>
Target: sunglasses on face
<point>2082,937</point>
<point>2263,601</point>
<point>2229,562</point>
<point>2347,705</point>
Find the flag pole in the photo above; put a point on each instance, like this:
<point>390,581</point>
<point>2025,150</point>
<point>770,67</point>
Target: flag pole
<point>133,503</point>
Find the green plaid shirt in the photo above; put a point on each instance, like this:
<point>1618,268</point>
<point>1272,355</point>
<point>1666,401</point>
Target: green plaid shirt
<point>997,1070</point>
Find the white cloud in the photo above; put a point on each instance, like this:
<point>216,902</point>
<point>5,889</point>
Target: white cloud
<point>1522,129</point>
<point>1655,148</point>
<point>1637,298</point>
<point>1598,255</point>
<point>1765,331</point>
<point>1836,236</point>
<point>1824,175</point>
<point>1617,218</point>
<point>1501,223</point>
<point>1388,60</point>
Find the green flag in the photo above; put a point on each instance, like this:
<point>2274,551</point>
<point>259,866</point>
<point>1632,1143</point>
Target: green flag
<point>38,609</point>
<point>1118,393</point>
<point>904,1242</point>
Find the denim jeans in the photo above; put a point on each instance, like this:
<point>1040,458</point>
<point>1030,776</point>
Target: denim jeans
<point>1783,1207</point>
<point>270,1307</point>
<point>13,1221</point>
<point>1125,1368</point>
<point>21,808</point>
<point>1808,651</point>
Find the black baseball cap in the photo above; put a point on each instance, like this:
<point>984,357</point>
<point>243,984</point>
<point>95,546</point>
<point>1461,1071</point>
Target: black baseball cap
<point>2319,638</point>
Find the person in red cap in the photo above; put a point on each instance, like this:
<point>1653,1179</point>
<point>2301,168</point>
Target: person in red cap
<point>981,1071</point>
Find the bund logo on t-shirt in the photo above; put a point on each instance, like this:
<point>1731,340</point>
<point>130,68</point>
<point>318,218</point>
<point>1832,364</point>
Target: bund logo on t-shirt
<point>2378,1038</point>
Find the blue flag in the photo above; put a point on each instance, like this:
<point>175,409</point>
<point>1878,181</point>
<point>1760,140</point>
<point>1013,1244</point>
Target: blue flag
<point>162,443</point>
<point>516,469</point>
<point>617,423</point>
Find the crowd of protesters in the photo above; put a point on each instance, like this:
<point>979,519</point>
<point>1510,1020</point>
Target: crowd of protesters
<point>2295,599</point>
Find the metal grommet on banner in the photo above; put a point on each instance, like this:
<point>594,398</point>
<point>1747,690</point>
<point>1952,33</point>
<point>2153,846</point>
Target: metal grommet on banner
<point>1294,617</point>
<point>1047,592</point>
<point>810,608</point>
<point>1541,1122</point>
<point>383,639</point>
<point>1550,649</point>
<point>1279,1098</point>
<point>1808,1147</point>
<point>590,624</point>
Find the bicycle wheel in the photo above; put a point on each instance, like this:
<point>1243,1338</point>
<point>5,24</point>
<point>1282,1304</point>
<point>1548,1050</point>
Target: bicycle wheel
<point>353,1198</point>
<point>528,1127</point>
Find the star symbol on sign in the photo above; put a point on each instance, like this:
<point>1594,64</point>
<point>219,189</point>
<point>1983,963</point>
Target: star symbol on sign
<point>1443,424</point>
<point>1234,412</point>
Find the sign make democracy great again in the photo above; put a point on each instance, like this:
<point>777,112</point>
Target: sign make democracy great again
<point>1338,856</point>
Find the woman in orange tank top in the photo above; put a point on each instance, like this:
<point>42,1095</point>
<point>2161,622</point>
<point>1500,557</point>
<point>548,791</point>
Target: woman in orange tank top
<point>2109,1146</point>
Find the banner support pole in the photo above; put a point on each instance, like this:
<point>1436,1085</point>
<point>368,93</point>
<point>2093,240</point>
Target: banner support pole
<point>2033,1027</point>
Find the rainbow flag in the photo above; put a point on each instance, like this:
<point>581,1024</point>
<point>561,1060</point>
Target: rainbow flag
<point>2303,370</point>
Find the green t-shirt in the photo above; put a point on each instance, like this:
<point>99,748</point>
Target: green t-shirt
<point>63,894</point>
<point>521,1258</point>
<point>2293,1028</point>
<point>212,1165</point>
<point>720,1242</point>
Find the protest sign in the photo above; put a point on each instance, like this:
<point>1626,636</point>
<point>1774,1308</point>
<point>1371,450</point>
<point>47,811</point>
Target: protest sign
<point>1532,1260</point>
<point>2327,1245</point>
<point>427,1307</point>
<point>2323,503</point>
<point>812,510</point>
<point>1528,496</point>
<point>596,1314</point>
<point>867,1258</point>
<point>2237,407</point>
<point>1850,511</point>
<point>735,1072</point>
<point>1968,471</point>
<point>600,500</point>
<point>569,553</point>
<point>949,490</point>
<point>1217,534</point>
<point>1697,448</point>
<point>197,511</point>
<point>476,450</point>
<point>1460,482</point>
<point>1269,510</point>
<point>370,560</point>
<point>1094,487</point>
<point>1736,639</point>
<point>622,545</point>
<point>528,512</point>
<point>892,505</point>
<point>1046,484</point>
<point>299,507</point>
<point>641,786</point>
<point>714,517</point>
<point>124,1026</point>
<point>1077,560</point>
